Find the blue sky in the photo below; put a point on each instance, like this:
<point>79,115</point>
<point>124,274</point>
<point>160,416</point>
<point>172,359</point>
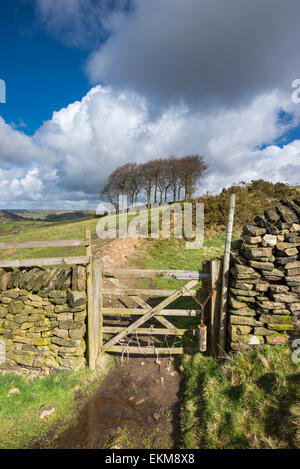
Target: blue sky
<point>41,73</point>
<point>92,84</point>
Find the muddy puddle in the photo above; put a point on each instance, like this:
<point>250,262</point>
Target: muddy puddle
<point>136,406</point>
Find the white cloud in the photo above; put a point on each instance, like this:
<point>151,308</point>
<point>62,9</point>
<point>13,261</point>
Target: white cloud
<point>69,158</point>
<point>16,147</point>
<point>27,187</point>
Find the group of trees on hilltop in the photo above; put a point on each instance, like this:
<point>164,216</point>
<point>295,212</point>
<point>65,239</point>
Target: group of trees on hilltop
<point>156,181</point>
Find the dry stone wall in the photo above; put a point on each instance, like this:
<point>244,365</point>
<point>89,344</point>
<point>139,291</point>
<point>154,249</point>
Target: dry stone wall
<point>43,317</point>
<point>264,287</point>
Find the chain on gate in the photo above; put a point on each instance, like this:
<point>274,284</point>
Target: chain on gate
<point>202,329</point>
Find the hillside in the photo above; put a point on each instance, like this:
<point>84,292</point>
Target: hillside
<point>8,215</point>
<point>48,215</point>
<point>251,200</point>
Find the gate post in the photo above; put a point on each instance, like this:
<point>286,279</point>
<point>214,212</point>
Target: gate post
<point>225,279</point>
<point>214,304</point>
<point>91,343</point>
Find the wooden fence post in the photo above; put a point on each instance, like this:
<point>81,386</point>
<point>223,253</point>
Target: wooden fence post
<point>97,308</point>
<point>214,304</point>
<point>225,278</point>
<point>101,286</point>
<point>90,302</point>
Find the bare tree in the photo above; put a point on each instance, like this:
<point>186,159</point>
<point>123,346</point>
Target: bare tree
<point>111,193</point>
<point>147,180</point>
<point>159,175</point>
<point>174,175</point>
<point>191,170</point>
<point>163,182</point>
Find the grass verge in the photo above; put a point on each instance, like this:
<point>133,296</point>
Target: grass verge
<point>20,422</point>
<point>249,401</point>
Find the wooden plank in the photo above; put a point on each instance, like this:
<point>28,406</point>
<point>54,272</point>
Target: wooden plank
<point>46,261</point>
<point>146,350</point>
<point>148,330</point>
<point>95,317</point>
<point>145,291</point>
<point>101,306</point>
<point>225,278</point>
<point>91,337</point>
<point>149,315</point>
<point>214,305</point>
<point>141,311</point>
<point>143,303</point>
<point>162,273</point>
<point>43,244</point>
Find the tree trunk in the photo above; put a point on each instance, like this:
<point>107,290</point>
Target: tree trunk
<point>185,193</point>
<point>149,199</point>
<point>178,197</point>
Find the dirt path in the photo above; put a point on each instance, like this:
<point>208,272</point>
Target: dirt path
<point>116,252</point>
<point>136,406</point>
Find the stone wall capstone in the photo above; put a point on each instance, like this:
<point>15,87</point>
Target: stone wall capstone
<point>264,285</point>
<point>42,317</point>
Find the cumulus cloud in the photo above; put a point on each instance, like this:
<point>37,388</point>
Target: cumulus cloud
<point>27,187</point>
<point>16,147</point>
<point>85,141</point>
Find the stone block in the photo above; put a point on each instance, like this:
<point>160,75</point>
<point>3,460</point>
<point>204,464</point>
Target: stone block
<point>76,298</point>
<point>277,339</point>
<point>269,240</point>
<point>244,321</point>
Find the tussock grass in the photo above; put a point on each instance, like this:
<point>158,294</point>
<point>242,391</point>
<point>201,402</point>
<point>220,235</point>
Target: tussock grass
<point>249,401</point>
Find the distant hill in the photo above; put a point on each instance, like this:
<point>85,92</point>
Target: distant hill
<point>8,215</point>
<point>67,216</point>
<point>47,215</point>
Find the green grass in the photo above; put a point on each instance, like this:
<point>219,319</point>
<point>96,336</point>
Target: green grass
<point>20,423</point>
<point>172,254</point>
<point>249,401</point>
<point>46,231</point>
<point>39,231</point>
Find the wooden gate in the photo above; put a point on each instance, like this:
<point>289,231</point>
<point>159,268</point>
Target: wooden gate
<point>213,277</point>
<point>112,338</point>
